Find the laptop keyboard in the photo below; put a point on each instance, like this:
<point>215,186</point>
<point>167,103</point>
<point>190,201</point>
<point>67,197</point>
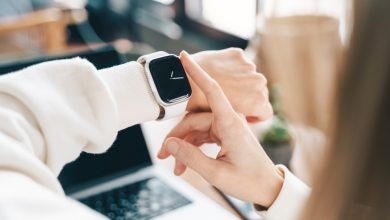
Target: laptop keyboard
<point>145,199</point>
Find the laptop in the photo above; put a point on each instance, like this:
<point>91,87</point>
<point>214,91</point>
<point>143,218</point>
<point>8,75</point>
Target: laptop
<point>123,183</point>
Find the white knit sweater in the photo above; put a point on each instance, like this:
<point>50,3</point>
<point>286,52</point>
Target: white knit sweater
<point>51,112</point>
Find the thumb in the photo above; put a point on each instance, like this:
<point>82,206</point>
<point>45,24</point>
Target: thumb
<point>191,156</point>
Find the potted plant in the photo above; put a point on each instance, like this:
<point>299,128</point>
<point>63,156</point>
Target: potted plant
<point>276,139</point>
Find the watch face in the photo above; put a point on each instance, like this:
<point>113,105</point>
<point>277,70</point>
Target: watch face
<point>170,78</point>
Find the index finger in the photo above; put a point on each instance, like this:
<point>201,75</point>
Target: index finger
<point>217,100</point>
<point>190,123</point>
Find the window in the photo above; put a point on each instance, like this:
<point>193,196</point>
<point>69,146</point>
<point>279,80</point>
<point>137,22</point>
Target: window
<point>235,17</point>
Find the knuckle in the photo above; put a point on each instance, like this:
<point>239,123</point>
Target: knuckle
<point>238,52</point>
<point>265,111</point>
<point>259,96</point>
<point>251,65</point>
<point>188,116</point>
<point>239,55</point>
<point>261,78</point>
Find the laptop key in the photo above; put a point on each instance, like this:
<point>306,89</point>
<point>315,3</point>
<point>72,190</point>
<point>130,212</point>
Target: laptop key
<point>120,212</point>
<point>111,215</point>
<point>145,199</point>
<point>98,203</point>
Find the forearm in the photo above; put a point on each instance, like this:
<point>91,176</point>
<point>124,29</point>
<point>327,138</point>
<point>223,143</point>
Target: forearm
<point>54,111</point>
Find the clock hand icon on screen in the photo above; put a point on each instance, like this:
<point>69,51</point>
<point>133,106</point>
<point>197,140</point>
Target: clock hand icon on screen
<point>173,77</point>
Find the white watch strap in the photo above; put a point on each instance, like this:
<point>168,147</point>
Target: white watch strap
<point>175,110</point>
<point>148,57</point>
<point>170,111</point>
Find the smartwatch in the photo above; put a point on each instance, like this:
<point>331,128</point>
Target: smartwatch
<point>168,82</point>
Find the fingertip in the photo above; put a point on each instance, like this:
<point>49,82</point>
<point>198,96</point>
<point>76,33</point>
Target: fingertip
<point>163,154</point>
<point>179,168</point>
<point>178,172</point>
<point>159,156</point>
<point>183,53</point>
<point>186,59</point>
<point>183,57</point>
<point>172,145</point>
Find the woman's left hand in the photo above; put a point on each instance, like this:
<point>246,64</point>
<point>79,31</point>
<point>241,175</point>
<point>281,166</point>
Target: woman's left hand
<point>245,88</point>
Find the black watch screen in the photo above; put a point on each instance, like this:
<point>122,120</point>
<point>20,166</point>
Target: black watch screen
<point>170,78</point>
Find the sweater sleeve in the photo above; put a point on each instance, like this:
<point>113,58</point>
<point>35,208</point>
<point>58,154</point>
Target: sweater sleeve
<point>290,201</point>
<point>49,114</point>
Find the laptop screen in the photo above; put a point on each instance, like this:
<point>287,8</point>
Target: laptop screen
<point>128,153</point>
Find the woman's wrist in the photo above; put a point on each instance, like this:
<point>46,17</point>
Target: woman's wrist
<point>270,191</point>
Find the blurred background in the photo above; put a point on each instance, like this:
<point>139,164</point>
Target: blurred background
<point>298,45</point>
<point>36,27</point>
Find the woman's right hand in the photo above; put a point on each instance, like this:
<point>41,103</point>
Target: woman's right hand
<point>242,168</point>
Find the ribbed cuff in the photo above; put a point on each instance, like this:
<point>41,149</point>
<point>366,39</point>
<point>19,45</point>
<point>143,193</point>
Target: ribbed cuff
<point>291,199</point>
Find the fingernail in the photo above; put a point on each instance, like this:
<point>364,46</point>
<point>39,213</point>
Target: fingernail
<point>185,53</point>
<point>158,153</point>
<point>172,146</point>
